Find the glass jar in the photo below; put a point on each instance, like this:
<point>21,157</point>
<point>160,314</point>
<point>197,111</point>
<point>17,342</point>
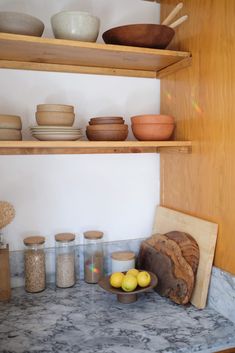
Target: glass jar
<point>65,260</point>
<point>34,264</point>
<point>122,261</point>
<point>93,256</point>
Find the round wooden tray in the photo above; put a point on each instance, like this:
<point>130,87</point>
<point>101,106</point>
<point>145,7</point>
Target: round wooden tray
<point>127,297</point>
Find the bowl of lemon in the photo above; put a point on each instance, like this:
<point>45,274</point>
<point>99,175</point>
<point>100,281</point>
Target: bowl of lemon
<point>127,285</point>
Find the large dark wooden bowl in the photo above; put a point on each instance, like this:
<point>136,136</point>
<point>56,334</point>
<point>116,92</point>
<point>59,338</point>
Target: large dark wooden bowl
<point>140,35</point>
<point>127,297</point>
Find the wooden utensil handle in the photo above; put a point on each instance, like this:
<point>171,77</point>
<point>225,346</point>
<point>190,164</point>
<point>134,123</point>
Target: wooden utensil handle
<point>172,14</point>
<point>179,21</point>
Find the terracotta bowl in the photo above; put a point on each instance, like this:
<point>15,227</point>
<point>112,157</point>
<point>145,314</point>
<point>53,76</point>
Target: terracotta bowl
<point>107,135</point>
<point>140,35</point>
<point>55,118</point>
<point>106,120</point>
<point>55,108</point>
<point>152,132</point>
<point>152,119</point>
<point>108,127</point>
<point>10,122</point>
<point>20,23</point>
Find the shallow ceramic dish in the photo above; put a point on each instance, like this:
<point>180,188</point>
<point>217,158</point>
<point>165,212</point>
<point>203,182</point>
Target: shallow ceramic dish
<point>152,119</point>
<point>108,127</point>
<point>107,135</point>
<point>75,25</point>
<point>55,118</point>
<point>10,135</point>
<point>54,128</point>
<point>55,108</point>
<point>152,132</point>
<point>127,297</point>
<point>57,137</point>
<point>20,23</point>
<point>140,35</point>
<point>10,122</point>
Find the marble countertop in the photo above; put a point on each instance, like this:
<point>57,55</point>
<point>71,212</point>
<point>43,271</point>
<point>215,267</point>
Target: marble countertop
<point>87,319</point>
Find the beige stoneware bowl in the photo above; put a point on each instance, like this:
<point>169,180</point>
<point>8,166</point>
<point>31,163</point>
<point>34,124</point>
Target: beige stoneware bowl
<point>55,118</point>
<point>20,23</point>
<point>10,122</point>
<point>55,108</point>
<point>10,135</point>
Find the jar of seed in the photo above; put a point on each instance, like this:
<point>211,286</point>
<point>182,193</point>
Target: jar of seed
<point>65,260</point>
<point>93,256</point>
<point>34,264</point>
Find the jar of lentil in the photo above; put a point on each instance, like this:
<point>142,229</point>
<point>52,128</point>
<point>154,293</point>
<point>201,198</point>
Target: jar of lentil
<point>34,264</point>
<point>93,256</point>
<point>65,260</point>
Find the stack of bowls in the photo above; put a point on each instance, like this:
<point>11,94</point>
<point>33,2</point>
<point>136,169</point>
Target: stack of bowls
<point>107,129</point>
<point>10,128</point>
<point>152,127</point>
<point>55,123</point>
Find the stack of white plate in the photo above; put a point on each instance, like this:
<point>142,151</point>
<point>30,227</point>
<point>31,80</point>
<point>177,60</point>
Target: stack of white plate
<point>56,133</point>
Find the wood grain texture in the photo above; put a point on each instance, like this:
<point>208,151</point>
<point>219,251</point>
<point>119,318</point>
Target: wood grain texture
<point>205,234</point>
<point>49,54</point>
<point>201,97</point>
<point>90,147</point>
<point>5,287</point>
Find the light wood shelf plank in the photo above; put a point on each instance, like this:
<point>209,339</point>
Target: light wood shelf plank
<point>49,54</point>
<point>91,147</point>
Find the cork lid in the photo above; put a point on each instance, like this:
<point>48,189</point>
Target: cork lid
<point>35,240</point>
<point>93,234</point>
<point>123,255</point>
<point>65,237</point>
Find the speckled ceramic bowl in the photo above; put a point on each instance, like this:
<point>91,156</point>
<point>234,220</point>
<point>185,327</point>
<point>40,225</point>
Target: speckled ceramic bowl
<point>75,25</point>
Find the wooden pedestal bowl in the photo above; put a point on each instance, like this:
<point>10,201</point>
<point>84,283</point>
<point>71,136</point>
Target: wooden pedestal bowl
<point>127,297</point>
<point>140,35</point>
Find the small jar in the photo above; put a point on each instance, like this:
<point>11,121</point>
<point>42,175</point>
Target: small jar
<point>93,256</point>
<point>34,264</point>
<point>122,261</point>
<point>65,260</point>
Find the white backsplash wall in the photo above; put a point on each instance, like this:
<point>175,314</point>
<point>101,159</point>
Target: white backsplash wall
<point>113,193</point>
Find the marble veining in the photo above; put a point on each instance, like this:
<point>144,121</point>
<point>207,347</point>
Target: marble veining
<point>87,319</point>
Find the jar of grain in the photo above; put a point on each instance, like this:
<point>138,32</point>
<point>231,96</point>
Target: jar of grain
<point>122,261</point>
<point>34,264</point>
<point>65,260</point>
<point>93,256</point>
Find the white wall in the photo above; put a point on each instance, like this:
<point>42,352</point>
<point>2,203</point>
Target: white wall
<point>113,193</point>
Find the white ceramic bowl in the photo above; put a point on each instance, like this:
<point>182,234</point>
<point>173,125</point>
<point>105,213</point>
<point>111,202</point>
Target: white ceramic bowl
<point>20,23</point>
<point>75,25</point>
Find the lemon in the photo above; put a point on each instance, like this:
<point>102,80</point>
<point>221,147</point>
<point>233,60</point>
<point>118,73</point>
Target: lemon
<point>143,279</point>
<point>133,272</point>
<point>129,283</point>
<point>116,279</point>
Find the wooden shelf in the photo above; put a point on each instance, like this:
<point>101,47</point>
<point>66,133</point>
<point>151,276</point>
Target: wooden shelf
<point>91,147</point>
<point>49,54</point>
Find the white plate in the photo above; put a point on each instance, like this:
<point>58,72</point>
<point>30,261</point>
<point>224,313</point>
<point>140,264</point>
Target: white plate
<point>57,137</point>
<point>52,128</point>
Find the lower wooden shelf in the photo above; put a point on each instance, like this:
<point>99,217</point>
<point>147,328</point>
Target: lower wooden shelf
<point>91,147</point>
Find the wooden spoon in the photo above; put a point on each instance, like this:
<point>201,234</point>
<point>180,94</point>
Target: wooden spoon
<point>172,14</point>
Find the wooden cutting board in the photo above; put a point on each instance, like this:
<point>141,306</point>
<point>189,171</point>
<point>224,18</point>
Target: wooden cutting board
<point>205,234</point>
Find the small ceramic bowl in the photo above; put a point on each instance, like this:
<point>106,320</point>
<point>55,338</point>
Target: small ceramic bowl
<point>75,25</point>
<point>108,127</point>
<point>152,119</point>
<point>107,135</point>
<point>106,120</point>
<point>10,122</point>
<point>55,118</point>
<point>152,132</point>
<point>10,135</point>
<point>55,108</point>
<point>20,23</point>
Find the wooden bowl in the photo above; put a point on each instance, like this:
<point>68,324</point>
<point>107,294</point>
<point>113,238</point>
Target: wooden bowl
<point>108,127</point>
<point>127,297</point>
<point>10,122</point>
<point>55,108</point>
<point>55,118</point>
<point>152,132</point>
<point>152,119</point>
<point>107,135</point>
<point>140,35</point>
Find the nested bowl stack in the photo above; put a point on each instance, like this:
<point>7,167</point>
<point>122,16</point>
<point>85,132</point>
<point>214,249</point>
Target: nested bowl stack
<point>152,127</point>
<point>107,129</point>
<point>55,123</point>
<point>10,128</point>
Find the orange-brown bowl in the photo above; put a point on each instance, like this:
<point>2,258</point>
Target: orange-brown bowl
<point>106,135</point>
<point>108,127</point>
<point>152,132</point>
<point>152,119</point>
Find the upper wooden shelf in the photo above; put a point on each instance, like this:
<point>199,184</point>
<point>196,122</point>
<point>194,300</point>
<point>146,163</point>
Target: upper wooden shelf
<point>49,54</point>
<point>91,147</point>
